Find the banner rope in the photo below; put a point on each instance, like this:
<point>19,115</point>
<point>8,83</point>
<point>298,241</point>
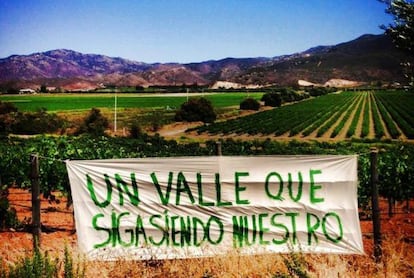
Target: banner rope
<point>364,153</point>
<point>66,160</point>
<point>53,159</point>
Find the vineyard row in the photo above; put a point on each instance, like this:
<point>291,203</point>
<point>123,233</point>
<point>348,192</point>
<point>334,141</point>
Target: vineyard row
<point>396,170</point>
<point>382,114</point>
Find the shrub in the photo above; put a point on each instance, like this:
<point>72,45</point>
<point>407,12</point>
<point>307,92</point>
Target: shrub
<point>38,265</point>
<point>7,107</point>
<point>272,99</point>
<point>320,91</point>
<point>196,109</point>
<point>135,130</point>
<point>8,217</point>
<point>36,123</point>
<point>11,120</point>
<point>7,117</point>
<point>249,104</point>
<point>155,119</point>
<point>94,123</point>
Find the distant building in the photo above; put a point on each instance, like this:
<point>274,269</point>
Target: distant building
<point>232,85</point>
<point>27,91</point>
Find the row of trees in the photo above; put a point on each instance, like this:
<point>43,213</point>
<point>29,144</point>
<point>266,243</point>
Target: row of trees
<point>201,109</point>
<point>195,109</point>
<point>39,122</point>
<point>14,121</point>
<point>276,98</point>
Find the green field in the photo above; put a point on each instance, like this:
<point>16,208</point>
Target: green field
<point>368,114</point>
<point>79,102</point>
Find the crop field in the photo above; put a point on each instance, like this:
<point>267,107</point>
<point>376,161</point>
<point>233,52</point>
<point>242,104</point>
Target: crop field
<point>79,102</point>
<point>381,115</point>
<point>337,116</point>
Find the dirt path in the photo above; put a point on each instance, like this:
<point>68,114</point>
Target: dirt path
<point>358,128</point>
<point>371,133</point>
<point>343,132</point>
<point>384,127</point>
<point>328,133</point>
<point>402,135</point>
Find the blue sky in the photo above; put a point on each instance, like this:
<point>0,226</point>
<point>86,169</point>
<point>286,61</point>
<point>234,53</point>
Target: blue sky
<point>184,30</point>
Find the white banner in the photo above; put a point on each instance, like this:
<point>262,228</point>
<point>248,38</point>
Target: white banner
<point>162,208</point>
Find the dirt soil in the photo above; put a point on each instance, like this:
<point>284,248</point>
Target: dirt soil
<point>58,228</point>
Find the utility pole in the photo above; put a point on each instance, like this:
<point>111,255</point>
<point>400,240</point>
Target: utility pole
<point>115,115</point>
<point>218,148</point>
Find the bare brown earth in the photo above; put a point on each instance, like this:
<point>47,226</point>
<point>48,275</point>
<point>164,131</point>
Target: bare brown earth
<point>371,120</point>
<point>360,120</point>
<point>342,134</point>
<point>386,132</point>
<point>57,223</point>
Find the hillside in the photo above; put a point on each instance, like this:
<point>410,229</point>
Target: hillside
<point>366,59</point>
<point>369,58</point>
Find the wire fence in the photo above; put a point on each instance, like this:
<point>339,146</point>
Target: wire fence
<point>56,214</point>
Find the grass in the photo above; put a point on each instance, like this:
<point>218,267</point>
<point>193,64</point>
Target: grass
<point>398,261</point>
<point>40,264</point>
<point>79,102</point>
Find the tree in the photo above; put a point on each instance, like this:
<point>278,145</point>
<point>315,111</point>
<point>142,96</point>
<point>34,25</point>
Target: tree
<point>249,104</point>
<point>272,99</point>
<point>12,91</point>
<point>36,122</point>
<point>7,107</point>
<point>402,31</point>
<point>196,109</point>
<point>7,116</point>
<point>135,130</point>
<point>155,119</point>
<point>139,88</point>
<point>43,89</point>
<point>94,123</point>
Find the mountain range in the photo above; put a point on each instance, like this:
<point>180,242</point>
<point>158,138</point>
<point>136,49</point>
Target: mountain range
<point>369,58</point>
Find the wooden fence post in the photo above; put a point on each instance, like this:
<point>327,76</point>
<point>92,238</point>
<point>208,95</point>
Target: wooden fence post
<point>36,224</point>
<point>376,222</point>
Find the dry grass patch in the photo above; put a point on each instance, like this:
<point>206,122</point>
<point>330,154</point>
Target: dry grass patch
<point>398,261</point>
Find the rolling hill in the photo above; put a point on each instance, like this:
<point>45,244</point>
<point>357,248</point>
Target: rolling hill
<point>369,58</point>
